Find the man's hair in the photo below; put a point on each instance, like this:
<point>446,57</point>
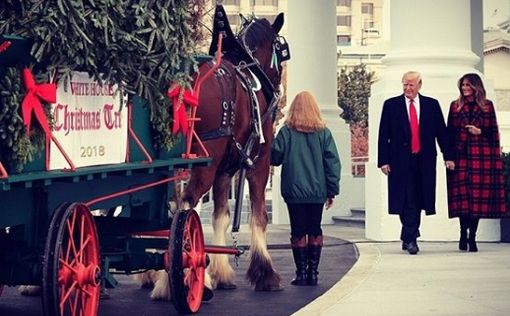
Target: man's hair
<point>413,75</point>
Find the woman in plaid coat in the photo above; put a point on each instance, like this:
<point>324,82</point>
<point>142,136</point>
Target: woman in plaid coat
<point>476,186</point>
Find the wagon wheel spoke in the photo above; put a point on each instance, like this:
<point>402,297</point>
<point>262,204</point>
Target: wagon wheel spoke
<point>83,248</point>
<point>190,276</point>
<point>82,233</point>
<point>69,266</point>
<point>74,305</point>
<point>70,231</point>
<point>66,295</point>
<point>77,251</point>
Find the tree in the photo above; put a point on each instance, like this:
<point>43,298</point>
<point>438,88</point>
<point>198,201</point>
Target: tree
<point>142,46</point>
<point>353,93</point>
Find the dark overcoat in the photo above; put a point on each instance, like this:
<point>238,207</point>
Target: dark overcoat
<point>476,186</point>
<point>394,149</point>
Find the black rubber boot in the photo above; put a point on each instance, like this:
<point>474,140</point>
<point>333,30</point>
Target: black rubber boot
<point>464,225</point>
<point>473,226</point>
<point>314,256</point>
<point>300,261</point>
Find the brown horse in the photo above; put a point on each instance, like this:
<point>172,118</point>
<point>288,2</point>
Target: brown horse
<point>236,105</point>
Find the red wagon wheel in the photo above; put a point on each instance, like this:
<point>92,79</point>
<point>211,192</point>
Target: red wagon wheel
<point>71,274</point>
<point>187,262</point>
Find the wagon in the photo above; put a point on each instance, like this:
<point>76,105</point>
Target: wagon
<point>68,230</point>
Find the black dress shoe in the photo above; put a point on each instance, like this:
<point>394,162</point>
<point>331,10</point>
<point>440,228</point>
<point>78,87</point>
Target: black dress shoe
<point>406,245</point>
<point>472,246</point>
<point>412,248</point>
<point>463,244</point>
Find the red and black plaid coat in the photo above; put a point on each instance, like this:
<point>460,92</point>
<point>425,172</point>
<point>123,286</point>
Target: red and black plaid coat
<point>476,186</point>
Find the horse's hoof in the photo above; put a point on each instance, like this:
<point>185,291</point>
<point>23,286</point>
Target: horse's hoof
<point>208,294</point>
<point>268,288</point>
<point>147,286</point>
<point>29,290</point>
<point>226,286</point>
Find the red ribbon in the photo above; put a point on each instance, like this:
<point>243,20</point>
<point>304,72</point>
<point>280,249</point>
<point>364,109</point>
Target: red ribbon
<point>179,111</point>
<point>32,102</point>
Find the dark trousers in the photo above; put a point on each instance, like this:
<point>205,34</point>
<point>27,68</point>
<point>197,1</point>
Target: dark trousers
<point>305,219</point>
<point>411,214</point>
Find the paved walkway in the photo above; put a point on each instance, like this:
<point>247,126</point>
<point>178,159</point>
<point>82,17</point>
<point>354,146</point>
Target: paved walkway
<point>440,280</point>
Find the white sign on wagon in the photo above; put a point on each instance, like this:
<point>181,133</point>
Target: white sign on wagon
<point>89,123</point>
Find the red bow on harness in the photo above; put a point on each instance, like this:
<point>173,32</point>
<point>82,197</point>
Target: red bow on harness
<point>32,101</point>
<point>180,116</point>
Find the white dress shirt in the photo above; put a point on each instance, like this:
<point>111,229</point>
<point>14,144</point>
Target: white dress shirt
<point>416,102</point>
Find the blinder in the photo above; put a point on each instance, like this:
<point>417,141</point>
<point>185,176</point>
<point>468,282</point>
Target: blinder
<point>281,47</point>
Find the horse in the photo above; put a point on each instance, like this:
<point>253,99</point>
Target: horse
<point>236,106</point>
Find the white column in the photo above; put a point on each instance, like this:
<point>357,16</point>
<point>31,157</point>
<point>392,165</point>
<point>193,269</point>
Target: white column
<point>313,66</point>
<point>434,38</point>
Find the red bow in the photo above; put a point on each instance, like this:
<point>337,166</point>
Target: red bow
<point>4,46</point>
<point>180,116</point>
<point>32,102</point>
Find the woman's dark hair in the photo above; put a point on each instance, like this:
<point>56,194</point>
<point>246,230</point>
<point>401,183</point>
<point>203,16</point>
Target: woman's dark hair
<point>476,83</point>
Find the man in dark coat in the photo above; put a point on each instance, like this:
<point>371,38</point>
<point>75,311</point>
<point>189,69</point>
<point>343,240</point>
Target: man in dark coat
<point>410,124</point>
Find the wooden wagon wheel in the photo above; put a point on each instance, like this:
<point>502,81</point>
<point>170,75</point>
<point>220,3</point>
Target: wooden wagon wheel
<point>71,274</point>
<point>187,262</point>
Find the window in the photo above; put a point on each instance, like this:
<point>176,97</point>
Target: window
<point>343,3</point>
<point>343,40</point>
<point>343,20</point>
<point>273,3</point>
<point>367,8</point>
<point>231,2</point>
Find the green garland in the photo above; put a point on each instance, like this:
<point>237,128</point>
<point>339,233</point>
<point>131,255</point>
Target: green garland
<point>142,46</point>
<point>17,148</point>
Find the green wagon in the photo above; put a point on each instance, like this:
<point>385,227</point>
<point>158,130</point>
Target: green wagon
<point>67,230</point>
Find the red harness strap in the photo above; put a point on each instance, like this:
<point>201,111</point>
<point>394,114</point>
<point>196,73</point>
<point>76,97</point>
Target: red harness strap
<point>181,98</point>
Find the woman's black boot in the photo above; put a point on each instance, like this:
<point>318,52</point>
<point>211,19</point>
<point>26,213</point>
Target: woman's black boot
<point>473,226</point>
<point>300,261</point>
<point>299,252</point>
<point>314,256</point>
<point>463,241</point>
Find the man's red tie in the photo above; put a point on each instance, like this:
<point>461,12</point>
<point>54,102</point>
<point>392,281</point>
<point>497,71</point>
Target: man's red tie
<point>415,128</point>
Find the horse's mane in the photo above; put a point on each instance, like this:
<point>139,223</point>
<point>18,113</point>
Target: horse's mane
<point>254,32</point>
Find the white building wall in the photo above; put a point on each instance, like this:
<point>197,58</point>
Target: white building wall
<point>497,69</point>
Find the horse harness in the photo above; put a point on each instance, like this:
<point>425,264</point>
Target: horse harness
<point>252,78</point>
<point>225,75</point>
